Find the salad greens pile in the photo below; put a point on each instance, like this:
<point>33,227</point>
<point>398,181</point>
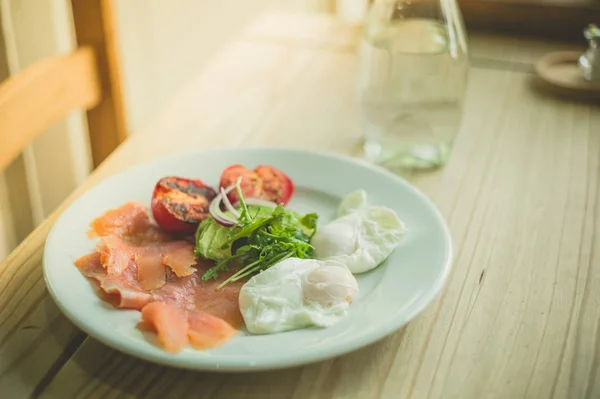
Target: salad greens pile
<point>261,238</point>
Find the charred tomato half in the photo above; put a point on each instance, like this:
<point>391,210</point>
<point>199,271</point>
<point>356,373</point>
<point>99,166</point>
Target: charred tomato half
<point>264,182</point>
<point>179,204</point>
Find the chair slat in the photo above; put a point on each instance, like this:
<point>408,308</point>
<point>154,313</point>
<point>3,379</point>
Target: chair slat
<point>42,94</point>
<point>95,26</point>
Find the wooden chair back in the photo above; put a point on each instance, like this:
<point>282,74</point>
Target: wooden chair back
<point>87,79</point>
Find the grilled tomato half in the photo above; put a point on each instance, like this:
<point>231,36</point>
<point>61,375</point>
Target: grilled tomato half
<point>179,205</point>
<point>264,182</point>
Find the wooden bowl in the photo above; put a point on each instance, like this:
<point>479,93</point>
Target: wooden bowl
<point>560,71</point>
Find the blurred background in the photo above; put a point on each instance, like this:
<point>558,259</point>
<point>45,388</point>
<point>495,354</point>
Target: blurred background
<point>162,43</point>
<point>165,43</point>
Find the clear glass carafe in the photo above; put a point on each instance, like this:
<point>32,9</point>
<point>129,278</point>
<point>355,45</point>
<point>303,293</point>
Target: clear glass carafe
<point>412,81</point>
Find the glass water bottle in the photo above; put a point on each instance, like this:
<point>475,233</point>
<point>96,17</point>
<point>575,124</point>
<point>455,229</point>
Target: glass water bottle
<point>412,81</point>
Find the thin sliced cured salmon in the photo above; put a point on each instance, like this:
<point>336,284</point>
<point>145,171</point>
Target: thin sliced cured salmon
<point>206,331</point>
<point>170,323</point>
<point>137,266</point>
<point>176,328</point>
<point>132,222</point>
<point>115,254</point>
<point>123,297</point>
<point>180,257</point>
<point>190,293</point>
<point>128,234</point>
<point>151,259</point>
<point>151,272</point>
<point>122,291</point>
<point>194,294</point>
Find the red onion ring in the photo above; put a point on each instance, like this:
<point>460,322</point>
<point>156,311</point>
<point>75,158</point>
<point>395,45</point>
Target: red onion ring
<point>224,220</point>
<point>228,205</point>
<point>215,209</point>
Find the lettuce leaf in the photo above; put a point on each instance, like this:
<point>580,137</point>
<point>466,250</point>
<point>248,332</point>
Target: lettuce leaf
<point>263,237</point>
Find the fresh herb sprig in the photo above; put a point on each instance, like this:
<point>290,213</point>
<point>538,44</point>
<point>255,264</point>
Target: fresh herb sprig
<point>260,241</point>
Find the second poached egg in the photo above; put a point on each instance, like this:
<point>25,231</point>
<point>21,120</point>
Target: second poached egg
<point>297,293</point>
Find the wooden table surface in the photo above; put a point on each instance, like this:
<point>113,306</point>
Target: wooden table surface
<point>519,316</point>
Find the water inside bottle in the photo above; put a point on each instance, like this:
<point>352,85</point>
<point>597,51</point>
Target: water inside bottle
<point>411,93</point>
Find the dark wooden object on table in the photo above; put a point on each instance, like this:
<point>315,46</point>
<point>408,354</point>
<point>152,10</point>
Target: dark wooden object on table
<point>547,19</point>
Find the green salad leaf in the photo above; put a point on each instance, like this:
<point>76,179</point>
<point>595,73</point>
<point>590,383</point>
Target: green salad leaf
<point>261,238</point>
<point>210,240</point>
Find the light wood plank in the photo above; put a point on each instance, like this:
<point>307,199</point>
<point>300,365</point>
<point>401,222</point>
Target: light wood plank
<point>41,95</point>
<point>519,315</point>
<point>95,26</point>
<point>35,338</point>
<point>7,228</point>
<point>18,203</point>
<point>35,31</point>
<point>318,30</point>
<point>7,233</point>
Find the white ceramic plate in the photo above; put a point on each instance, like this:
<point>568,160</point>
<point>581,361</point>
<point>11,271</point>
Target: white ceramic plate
<point>390,295</point>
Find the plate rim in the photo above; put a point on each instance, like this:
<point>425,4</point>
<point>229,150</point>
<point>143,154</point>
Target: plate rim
<point>416,308</point>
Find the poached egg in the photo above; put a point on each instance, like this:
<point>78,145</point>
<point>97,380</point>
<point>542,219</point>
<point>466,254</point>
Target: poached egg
<point>362,237</point>
<point>297,293</point>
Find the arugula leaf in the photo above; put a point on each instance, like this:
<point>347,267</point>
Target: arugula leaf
<point>245,214</point>
<point>257,242</point>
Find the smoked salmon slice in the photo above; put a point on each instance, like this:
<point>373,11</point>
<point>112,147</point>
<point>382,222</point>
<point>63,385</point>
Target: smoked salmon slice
<point>131,221</point>
<point>150,270</point>
<point>180,257</point>
<point>176,328</point>
<point>206,331</point>
<point>129,234</point>
<point>122,291</point>
<point>170,324</point>
<point>138,266</point>
<point>115,254</point>
<point>194,294</point>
